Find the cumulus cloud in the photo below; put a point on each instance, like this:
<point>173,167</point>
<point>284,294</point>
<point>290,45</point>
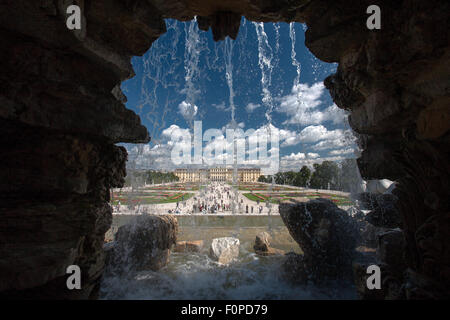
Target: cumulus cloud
<point>312,155</point>
<point>315,140</point>
<point>318,133</point>
<point>174,132</point>
<point>294,157</point>
<point>187,110</point>
<point>301,106</point>
<point>341,151</point>
<point>296,161</point>
<point>330,144</point>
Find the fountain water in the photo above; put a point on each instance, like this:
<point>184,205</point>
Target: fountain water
<point>228,56</point>
<point>265,57</point>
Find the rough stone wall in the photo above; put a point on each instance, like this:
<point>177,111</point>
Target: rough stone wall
<point>61,111</point>
<point>396,83</point>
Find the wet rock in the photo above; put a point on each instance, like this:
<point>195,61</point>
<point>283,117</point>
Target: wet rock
<point>389,257</point>
<point>224,250</point>
<point>143,244</point>
<point>223,24</point>
<point>294,268</point>
<point>369,234</point>
<point>421,287</point>
<point>326,234</point>
<point>391,250</point>
<point>262,245</point>
<point>189,246</point>
<point>262,241</point>
<point>384,212</point>
<point>362,261</point>
<point>47,239</point>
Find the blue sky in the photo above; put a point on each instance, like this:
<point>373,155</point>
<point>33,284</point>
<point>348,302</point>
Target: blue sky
<point>182,78</point>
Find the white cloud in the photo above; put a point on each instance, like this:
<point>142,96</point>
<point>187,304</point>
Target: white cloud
<point>314,139</point>
<point>312,155</point>
<point>296,161</point>
<point>251,107</point>
<point>294,157</point>
<point>301,106</point>
<point>174,133</point>
<point>187,110</point>
<point>318,133</point>
<point>329,144</point>
<point>341,151</point>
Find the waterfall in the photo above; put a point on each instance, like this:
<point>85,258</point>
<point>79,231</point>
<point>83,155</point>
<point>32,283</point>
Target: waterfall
<point>191,61</point>
<point>276,27</point>
<point>295,63</point>
<point>265,57</point>
<point>157,69</point>
<point>228,56</point>
<point>134,178</point>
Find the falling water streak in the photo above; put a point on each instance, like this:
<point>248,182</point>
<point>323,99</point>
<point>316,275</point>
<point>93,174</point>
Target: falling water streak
<point>159,71</point>
<point>265,57</point>
<point>191,61</point>
<point>244,70</point>
<point>228,54</point>
<point>265,63</point>
<point>276,26</point>
<point>133,177</point>
<point>295,63</point>
<point>154,68</point>
<point>228,57</point>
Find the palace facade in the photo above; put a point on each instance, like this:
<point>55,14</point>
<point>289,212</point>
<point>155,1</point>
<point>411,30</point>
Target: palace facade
<point>217,174</point>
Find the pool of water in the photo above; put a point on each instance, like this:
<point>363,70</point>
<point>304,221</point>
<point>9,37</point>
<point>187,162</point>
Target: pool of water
<point>196,276</point>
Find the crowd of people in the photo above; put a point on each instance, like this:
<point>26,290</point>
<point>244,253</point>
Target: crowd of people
<point>214,198</point>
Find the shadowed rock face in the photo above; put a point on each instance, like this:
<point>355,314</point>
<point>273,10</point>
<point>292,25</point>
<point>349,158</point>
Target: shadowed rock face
<point>143,244</point>
<point>61,111</point>
<point>327,236</point>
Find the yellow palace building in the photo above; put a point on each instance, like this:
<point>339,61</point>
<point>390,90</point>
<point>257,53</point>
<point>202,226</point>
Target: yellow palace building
<point>217,174</point>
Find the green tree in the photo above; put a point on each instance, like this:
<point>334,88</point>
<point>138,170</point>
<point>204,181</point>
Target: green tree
<point>325,175</point>
<point>279,178</point>
<point>289,177</point>
<point>302,177</point>
<point>262,178</point>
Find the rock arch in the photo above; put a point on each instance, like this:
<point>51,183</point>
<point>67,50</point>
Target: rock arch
<point>62,111</point>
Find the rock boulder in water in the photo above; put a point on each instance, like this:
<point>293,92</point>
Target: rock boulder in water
<point>262,245</point>
<point>262,241</point>
<point>143,244</point>
<point>224,250</point>
<point>327,236</point>
<point>384,212</point>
